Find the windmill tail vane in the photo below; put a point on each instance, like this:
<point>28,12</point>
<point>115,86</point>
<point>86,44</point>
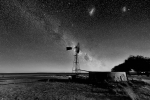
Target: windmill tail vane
<point>68,48</point>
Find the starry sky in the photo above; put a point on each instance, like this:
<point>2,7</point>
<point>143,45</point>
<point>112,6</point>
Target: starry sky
<point>34,34</point>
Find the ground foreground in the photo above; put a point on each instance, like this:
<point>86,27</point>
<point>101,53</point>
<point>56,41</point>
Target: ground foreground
<point>133,90</point>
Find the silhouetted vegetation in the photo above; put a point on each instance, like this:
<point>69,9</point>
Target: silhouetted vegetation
<point>137,63</point>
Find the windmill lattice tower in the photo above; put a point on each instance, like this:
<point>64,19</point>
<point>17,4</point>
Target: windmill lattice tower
<point>76,65</point>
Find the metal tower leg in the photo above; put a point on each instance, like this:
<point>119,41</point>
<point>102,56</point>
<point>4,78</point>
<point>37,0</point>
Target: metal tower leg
<point>76,67</point>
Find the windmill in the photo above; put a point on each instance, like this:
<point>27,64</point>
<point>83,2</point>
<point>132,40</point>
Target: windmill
<point>76,67</point>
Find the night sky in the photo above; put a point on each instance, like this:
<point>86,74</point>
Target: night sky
<point>34,34</point>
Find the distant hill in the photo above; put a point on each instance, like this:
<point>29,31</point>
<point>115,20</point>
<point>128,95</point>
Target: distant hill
<point>137,63</point>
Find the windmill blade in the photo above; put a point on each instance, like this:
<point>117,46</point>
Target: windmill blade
<point>78,45</point>
<point>77,48</point>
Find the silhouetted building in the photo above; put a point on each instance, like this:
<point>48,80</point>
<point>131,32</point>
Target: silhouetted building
<point>97,77</point>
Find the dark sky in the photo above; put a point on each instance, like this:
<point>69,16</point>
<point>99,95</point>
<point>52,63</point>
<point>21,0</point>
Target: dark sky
<point>34,33</point>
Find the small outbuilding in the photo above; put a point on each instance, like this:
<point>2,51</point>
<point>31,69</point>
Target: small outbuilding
<point>107,76</point>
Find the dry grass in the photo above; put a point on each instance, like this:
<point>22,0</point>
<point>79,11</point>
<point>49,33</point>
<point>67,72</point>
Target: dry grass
<point>138,90</point>
<point>56,91</point>
<point>75,91</point>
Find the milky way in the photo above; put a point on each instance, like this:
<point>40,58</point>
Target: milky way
<point>34,34</point>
